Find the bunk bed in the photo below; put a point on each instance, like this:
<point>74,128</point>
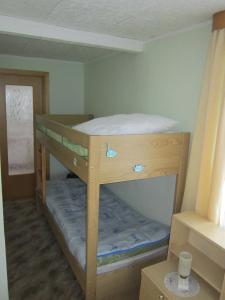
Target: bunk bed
<point>98,160</point>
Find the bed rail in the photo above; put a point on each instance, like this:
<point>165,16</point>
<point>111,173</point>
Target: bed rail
<point>53,130</point>
<point>59,124</point>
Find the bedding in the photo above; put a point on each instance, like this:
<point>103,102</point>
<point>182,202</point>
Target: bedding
<point>127,124</point>
<point>123,232</point>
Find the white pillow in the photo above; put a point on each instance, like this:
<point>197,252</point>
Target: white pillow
<point>127,124</point>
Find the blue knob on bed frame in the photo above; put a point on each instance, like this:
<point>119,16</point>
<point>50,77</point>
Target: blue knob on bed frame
<point>111,153</point>
<point>138,168</point>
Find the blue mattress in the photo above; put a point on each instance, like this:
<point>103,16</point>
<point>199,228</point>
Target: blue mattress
<point>123,232</point>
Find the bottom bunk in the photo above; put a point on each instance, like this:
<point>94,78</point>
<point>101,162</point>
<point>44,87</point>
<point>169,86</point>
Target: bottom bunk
<point>127,242</point>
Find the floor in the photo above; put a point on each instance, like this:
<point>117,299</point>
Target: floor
<point>37,269</point>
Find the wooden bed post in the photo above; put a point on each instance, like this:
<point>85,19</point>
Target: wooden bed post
<point>41,173</point>
<point>92,218</point>
<point>181,176</point>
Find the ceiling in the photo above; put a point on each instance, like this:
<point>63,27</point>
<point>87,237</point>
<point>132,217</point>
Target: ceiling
<point>134,19</point>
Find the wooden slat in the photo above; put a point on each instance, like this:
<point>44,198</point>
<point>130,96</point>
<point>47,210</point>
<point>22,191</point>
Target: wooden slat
<point>123,171</point>
<point>73,135</point>
<point>70,119</point>
<point>65,156</point>
<point>160,154</point>
<point>134,146</point>
<point>19,72</point>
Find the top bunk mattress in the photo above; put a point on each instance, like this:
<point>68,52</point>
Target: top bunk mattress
<point>123,232</point>
<point>125,124</point>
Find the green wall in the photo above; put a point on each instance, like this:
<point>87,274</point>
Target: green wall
<point>3,276</point>
<point>66,87</point>
<point>165,79</point>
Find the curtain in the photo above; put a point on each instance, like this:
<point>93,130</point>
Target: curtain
<point>204,189</point>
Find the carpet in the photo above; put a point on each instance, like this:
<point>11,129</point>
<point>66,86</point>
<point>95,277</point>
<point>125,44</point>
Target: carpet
<point>37,268</point>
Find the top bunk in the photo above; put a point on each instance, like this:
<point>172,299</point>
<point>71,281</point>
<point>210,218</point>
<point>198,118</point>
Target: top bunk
<point>113,158</point>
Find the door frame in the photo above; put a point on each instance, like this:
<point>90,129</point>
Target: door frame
<point>45,96</point>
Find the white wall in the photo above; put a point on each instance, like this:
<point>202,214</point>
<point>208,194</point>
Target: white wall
<point>152,197</point>
<point>3,271</point>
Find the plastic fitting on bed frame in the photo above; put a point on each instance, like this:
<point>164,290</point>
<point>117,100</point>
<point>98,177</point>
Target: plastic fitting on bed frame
<point>138,168</point>
<point>111,152</point>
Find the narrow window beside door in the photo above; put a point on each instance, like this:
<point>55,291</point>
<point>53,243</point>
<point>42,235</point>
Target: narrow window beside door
<point>20,140</point>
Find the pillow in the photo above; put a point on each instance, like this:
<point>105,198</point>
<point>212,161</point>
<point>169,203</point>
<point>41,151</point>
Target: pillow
<point>127,124</point>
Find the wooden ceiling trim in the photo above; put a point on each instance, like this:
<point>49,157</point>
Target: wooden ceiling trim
<point>219,20</point>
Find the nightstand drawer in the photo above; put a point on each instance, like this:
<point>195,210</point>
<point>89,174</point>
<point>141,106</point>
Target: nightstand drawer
<point>149,291</point>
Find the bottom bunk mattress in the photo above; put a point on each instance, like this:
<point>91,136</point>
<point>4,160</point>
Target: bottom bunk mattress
<point>124,233</point>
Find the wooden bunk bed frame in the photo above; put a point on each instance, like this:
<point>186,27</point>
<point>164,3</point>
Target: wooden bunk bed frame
<point>161,154</point>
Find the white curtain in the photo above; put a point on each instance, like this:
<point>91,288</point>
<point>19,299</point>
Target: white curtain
<point>204,191</point>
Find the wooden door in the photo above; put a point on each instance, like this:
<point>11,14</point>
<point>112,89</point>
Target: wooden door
<point>21,97</point>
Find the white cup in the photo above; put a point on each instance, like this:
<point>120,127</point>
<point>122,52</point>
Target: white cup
<point>184,266</point>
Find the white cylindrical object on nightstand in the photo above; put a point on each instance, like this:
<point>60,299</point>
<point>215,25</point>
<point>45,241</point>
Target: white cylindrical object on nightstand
<point>185,263</point>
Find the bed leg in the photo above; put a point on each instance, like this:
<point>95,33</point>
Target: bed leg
<point>92,240</point>
<point>40,175</point>
<point>93,187</point>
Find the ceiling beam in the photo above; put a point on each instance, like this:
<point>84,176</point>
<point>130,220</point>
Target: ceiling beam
<point>27,28</point>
